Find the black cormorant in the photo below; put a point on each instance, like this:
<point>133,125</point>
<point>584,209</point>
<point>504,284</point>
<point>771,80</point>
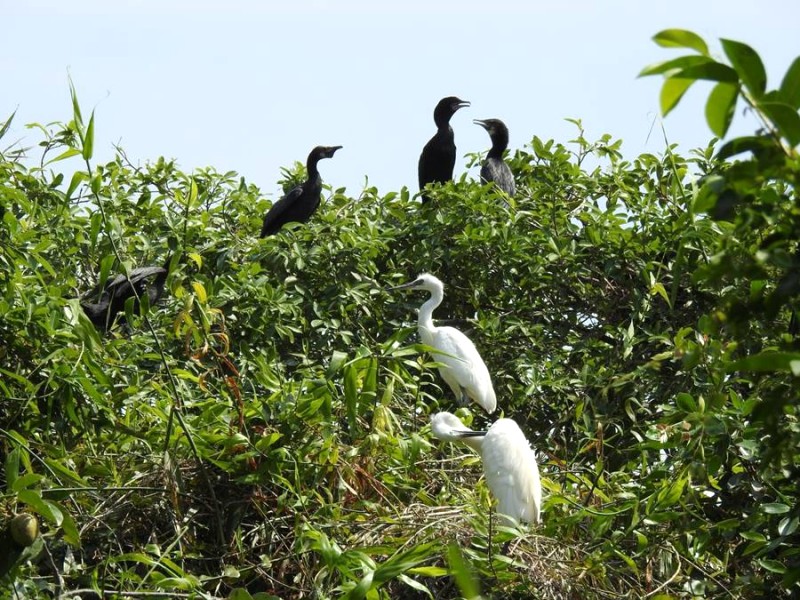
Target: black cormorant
<point>300,203</point>
<point>494,168</point>
<point>439,155</point>
<point>145,280</point>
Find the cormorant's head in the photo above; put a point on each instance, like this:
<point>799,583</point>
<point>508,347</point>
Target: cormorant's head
<point>446,108</point>
<point>495,127</point>
<point>321,152</point>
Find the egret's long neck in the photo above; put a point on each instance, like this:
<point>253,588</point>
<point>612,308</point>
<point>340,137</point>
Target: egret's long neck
<point>425,319</point>
<point>476,443</point>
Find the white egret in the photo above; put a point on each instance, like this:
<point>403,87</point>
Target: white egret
<point>509,464</point>
<point>462,367</point>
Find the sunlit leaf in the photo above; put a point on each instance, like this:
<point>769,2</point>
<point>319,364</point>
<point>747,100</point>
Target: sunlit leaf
<point>681,38</point>
<point>720,107</point>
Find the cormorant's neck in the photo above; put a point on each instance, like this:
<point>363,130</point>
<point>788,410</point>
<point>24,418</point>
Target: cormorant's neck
<point>442,121</point>
<point>311,167</point>
<point>499,145</point>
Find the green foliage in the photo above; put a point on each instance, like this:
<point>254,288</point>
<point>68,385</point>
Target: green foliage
<point>263,432</point>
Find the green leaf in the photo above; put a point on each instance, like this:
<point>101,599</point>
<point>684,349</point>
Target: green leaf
<point>788,525</point>
<point>685,402</point>
<point>462,573</point>
<point>671,93</point>
<point>77,178</point>
<point>768,361</point>
<point>775,508</point>
<point>681,38</point>
<point>710,71</point>
<point>26,481</point>
<point>7,125</point>
<point>69,153</point>
<point>772,565</point>
<point>790,86</point>
<point>88,140</point>
<point>12,468</point>
<point>785,119</point>
<point>351,396</point>
<point>76,109</point>
<point>720,107</point>
<point>748,65</point>
<point>756,144</point>
<point>676,64</point>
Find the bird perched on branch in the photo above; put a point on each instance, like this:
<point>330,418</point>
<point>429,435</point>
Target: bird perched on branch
<point>300,202</point>
<point>509,464</point>
<point>439,155</point>
<point>462,367</point>
<point>494,167</point>
<point>117,291</point>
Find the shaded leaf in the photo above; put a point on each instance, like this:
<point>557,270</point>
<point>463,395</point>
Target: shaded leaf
<point>790,86</point>
<point>748,65</point>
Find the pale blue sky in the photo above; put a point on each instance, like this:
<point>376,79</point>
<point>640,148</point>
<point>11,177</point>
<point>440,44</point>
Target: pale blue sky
<point>253,86</point>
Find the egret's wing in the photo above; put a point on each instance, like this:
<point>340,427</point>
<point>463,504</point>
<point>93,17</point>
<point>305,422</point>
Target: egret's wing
<point>511,472</point>
<point>465,367</point>
<point>272,221</point>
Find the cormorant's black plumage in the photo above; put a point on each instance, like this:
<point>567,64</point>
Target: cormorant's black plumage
<point>299,203</point>
<point>439,155</point>
<point>494,167</point>
<point>144,280</point>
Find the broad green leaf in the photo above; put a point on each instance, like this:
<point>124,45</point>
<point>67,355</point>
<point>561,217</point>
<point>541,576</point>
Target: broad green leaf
<point>676,64</point>
<point>772,565</point>
<point>768,361</point>
<point>755,144</point>
<point>748,65</point>
<point>720,107</point>
<point>681,38</point>
<point>685,402</point>
<point>671,93</point>
<point>785,118</point>
<point>775,508</point>
<point>26,481</point>
<point>200,292</point>
<point>710,71</point>
<point>77,178</point>
<point>790,86</point>
<point>788,525</point>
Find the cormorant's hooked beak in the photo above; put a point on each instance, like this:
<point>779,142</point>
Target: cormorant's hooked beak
<point>460,104</point>
<point>482,123</point>
<point>331,150</point>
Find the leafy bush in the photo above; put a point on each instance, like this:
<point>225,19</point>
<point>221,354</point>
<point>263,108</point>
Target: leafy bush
<point>262,433</point>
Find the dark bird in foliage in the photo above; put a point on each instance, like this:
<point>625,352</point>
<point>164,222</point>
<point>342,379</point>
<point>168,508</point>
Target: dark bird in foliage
<point>494,167</point>
<point>300,203</point>
<point>144,280</point>
<point>439,155</point>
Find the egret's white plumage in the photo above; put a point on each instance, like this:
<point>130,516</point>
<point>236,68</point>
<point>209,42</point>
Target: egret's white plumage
<point>509,464</point>
<point>462,367</point>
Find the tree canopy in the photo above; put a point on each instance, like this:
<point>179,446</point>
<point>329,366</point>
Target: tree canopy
<point>263,431</point>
